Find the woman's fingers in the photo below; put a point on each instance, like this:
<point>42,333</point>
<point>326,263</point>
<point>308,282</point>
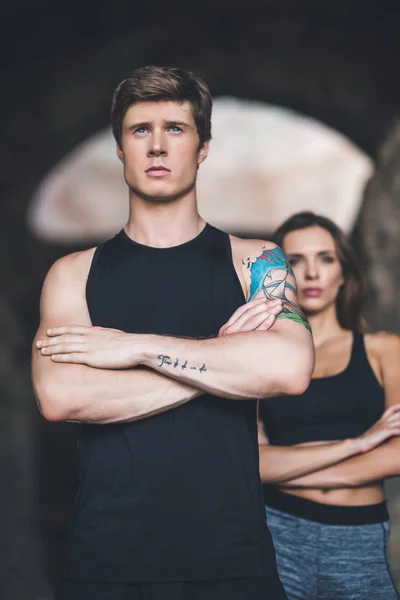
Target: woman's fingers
<point>393,410</point>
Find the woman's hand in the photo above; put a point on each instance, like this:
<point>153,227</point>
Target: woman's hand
<point>387,427</point>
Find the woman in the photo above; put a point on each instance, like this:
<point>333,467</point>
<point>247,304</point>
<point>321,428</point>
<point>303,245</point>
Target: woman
<point>325,454</point>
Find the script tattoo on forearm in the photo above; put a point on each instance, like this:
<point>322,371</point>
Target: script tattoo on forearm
<point>166,361</point>
<point>272,275</point>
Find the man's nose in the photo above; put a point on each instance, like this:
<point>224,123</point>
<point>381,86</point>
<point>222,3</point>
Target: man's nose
<point>157,145</point>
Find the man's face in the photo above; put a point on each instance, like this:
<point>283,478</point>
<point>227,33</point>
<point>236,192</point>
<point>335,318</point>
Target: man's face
<point>160,150</point>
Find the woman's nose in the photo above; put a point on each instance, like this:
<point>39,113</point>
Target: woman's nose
<point>311,270</point>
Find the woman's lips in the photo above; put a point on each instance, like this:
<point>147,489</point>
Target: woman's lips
<point>312,292</point>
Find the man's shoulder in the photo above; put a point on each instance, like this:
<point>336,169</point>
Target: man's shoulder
<point>245,253</point>
<point>71,267</point>
<point>250,248</point>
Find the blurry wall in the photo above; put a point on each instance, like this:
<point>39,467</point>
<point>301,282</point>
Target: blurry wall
<point>335,62</point>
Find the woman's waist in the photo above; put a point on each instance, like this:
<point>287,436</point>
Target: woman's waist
<point>361,496</point>
<point>365,505</point>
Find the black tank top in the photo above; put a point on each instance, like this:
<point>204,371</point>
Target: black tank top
<point>176,496</point>
<point>332,408</point>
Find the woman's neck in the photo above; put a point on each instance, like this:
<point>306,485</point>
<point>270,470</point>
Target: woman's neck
<point>325,325</point>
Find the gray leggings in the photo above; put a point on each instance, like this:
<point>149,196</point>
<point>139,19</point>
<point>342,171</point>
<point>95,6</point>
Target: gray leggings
<point>325,561</point>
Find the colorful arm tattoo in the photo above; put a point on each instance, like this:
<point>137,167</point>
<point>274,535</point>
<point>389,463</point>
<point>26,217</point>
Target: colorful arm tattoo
<point>271,275</point>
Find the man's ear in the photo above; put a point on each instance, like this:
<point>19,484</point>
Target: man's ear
<point>120,153</point>
<point>203,152</point>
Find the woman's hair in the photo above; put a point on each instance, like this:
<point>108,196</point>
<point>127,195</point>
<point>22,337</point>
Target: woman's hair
<point>349,300</point>
<point>157,84</point>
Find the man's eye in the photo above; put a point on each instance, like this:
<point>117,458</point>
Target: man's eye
<point>140,130</point>
<point>175,129</point>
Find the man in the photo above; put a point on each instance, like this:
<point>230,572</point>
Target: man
<point>154,323</point>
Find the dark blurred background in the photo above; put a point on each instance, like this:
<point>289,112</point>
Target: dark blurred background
<point>337,62</point>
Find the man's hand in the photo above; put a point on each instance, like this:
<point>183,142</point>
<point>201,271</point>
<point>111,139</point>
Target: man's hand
<point>257,315</point>
<point>97,347</point>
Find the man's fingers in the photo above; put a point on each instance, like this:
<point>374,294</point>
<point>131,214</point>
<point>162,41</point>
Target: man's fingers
<point>60,339</point>
<point>275,309</point>
<point>256,321</point>
<point>63,349</point>
<point>239,311</point>
<point>74,329</point>
<point>72,357</point>
<point>267,323</point>
<point>250,306</point>
<point>248,311</point>
<point>246,317</point>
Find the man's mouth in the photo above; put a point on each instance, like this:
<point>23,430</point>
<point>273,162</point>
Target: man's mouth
<point>158,171</point>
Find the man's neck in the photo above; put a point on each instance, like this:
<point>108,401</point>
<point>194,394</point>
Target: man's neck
<point>164,224</point>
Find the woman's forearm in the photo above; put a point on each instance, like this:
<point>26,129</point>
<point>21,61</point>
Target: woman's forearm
<point>280,464</point>
<point>378,464</point>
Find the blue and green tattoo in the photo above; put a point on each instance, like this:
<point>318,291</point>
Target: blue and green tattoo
<point>272,276</point>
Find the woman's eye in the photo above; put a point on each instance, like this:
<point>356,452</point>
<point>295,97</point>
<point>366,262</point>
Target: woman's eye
<point>293,261</point>
<point>328,259</point>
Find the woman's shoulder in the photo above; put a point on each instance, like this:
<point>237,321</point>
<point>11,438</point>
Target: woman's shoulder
<point>383,344</point>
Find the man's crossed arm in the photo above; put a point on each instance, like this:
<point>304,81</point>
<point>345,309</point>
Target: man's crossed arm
<point>77,369</point>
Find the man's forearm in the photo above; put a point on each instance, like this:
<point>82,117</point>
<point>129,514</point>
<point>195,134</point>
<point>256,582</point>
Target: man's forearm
<point>81,393</point>
<point>244,365</point>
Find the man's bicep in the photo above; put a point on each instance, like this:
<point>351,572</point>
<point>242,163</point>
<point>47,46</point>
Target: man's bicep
<point>62,303</point>
<point>63,299</point>
<point>271,277</point>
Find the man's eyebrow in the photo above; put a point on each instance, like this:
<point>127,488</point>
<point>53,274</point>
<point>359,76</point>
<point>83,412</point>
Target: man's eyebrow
<point>141,125</point>
<point>147,124</point>
<point>178,123</point>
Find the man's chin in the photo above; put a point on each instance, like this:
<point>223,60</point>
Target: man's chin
<point>161,196</point>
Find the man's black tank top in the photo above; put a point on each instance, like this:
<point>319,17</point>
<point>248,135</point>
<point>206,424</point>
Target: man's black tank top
<point>176,496</point>
<point>332,408</point>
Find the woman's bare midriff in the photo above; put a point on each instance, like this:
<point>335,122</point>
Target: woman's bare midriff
<point>371,494</point>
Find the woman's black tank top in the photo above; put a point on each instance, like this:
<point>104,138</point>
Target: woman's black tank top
<point>332,408</point>
<point>176,496</point>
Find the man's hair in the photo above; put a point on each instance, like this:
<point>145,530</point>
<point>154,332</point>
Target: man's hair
<point>156,84</point>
